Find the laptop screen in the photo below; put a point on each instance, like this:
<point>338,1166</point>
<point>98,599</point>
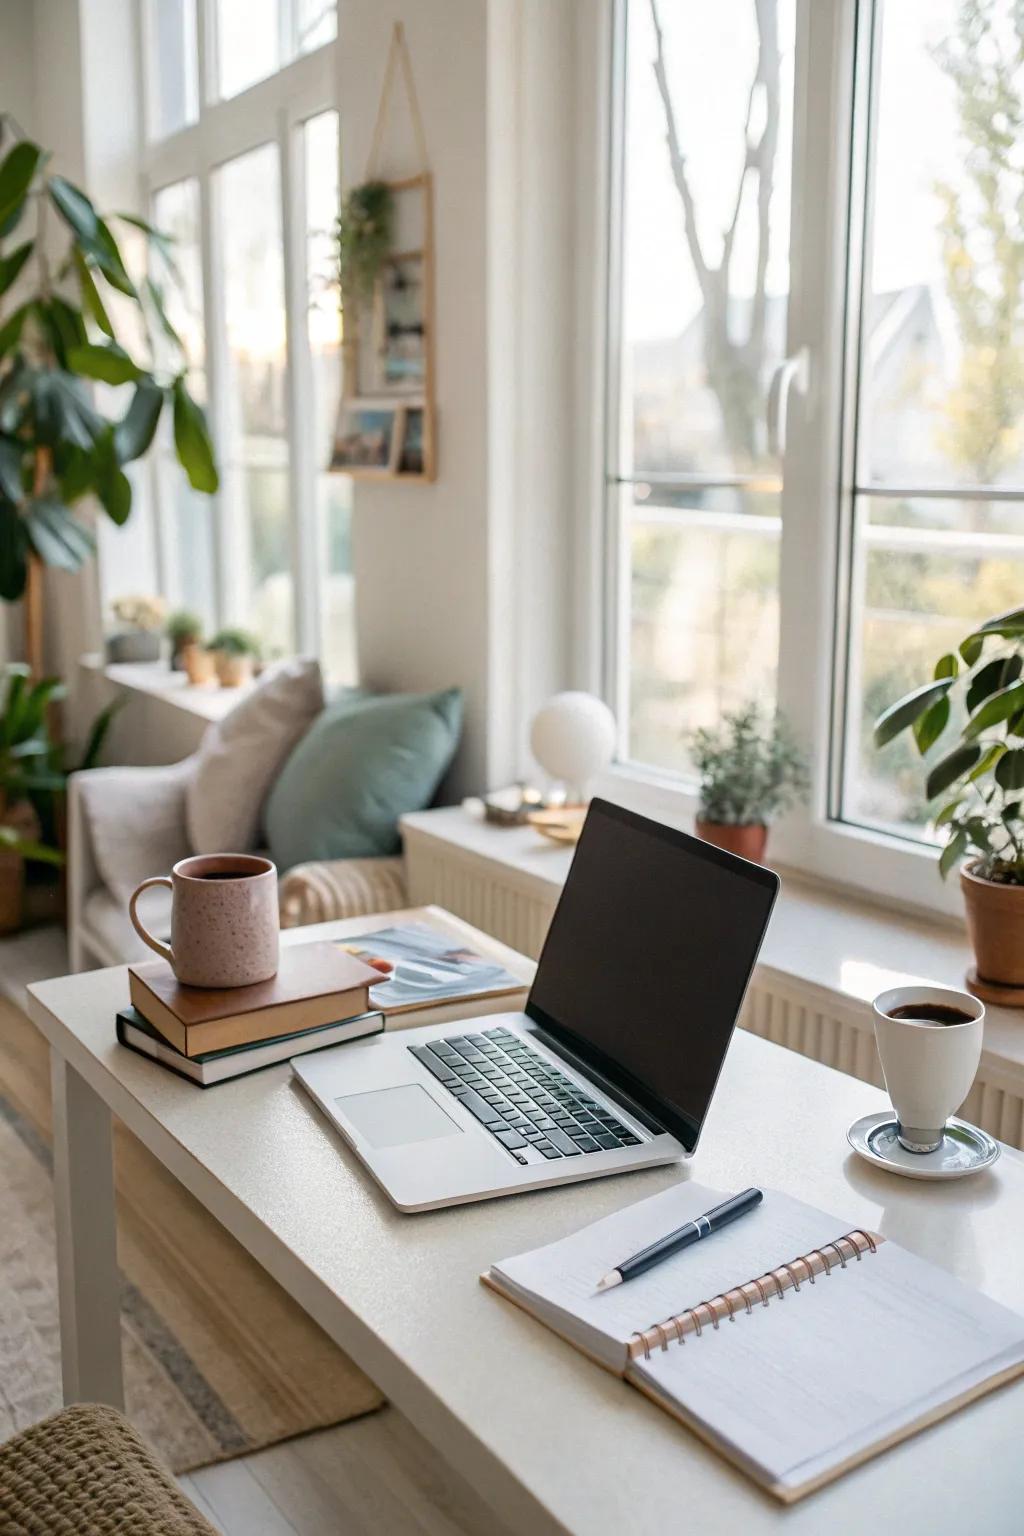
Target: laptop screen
<point>648,956</point>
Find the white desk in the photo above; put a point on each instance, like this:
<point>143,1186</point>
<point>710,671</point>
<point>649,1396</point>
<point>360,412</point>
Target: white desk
<point>552,1440</point>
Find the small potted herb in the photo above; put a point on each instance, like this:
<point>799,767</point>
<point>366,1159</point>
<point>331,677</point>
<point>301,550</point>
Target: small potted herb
<point>979,784</point>
<point>141,620</point>
<point>234,652</point>
<point>751,770</point>
<point>185,632</point>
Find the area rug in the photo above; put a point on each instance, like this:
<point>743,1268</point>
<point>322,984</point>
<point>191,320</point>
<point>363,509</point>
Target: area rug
<point>219,1361</point>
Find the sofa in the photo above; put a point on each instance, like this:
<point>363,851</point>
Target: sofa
<point>287,773</point>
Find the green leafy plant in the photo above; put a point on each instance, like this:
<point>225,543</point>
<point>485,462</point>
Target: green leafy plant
<point>34,768</point>
<point>58,449</point>
<point>184,628</point>
<point>234,642</point>
<point>983,774</point>
<point>751,768</point>
<point>364,235</point>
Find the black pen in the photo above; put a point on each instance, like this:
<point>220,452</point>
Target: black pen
<point>700,1227</point>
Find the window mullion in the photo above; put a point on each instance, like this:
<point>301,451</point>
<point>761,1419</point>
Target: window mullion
<point>819,231</point>
<point>301,453</point>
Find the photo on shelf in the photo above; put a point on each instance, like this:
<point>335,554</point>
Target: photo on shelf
<point>400,324</point>
<point>367,437</point>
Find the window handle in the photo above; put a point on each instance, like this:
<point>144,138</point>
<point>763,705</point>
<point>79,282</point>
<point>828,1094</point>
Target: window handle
<point>792,373</point>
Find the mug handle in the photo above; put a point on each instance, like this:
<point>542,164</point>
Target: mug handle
<point>163,950</point>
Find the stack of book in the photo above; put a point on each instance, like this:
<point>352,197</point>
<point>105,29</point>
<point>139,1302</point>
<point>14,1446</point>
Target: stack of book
<point>319,997</point>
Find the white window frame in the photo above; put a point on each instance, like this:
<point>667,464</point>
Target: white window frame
<point>830,137</point>
<point>272,110</point>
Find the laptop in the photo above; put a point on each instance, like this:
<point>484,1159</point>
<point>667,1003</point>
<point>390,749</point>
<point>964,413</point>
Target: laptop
<point>613,1063</point>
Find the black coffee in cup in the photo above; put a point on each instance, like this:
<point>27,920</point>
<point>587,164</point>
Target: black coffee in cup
<point>938,1014</point>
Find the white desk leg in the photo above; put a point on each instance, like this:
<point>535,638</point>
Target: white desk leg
<point>87,1273</point>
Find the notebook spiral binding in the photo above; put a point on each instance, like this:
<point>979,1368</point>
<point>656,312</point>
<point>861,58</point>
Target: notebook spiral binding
<point>799,1271</point>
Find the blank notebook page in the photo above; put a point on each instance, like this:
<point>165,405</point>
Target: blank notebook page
<point>563,1275</point>
<point>814,1379</point>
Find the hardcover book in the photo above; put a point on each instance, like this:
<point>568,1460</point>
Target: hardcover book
<point>316,984</point>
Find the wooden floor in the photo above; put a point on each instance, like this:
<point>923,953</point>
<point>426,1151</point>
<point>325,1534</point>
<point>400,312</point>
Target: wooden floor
<point>375,1476</point>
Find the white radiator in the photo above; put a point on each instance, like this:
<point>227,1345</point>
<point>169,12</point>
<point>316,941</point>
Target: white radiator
<point>817,1023</point>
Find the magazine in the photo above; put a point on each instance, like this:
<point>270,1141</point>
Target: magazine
<point>430,967</point>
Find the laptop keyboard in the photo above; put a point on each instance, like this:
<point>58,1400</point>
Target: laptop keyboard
<point>529,1106</point>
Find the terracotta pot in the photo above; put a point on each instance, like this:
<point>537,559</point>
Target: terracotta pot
<point>747,841</point>
<point>178,654</point>
<point>232,671</point>
<point>995,922</point>
<point>197,663</point>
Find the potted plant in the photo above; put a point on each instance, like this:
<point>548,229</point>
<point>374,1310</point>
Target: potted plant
<point>62,452</point>
<point>185,632</point>
<point>141,620</point>
<point>234,653</point>
<point>25,769</point>
<point>751,770</point>
<point>978,690</point>
<point>363,233</point>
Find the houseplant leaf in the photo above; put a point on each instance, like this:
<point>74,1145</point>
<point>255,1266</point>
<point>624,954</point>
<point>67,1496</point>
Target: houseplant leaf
<point>947,666</point>
<point>109,363</point>
<point>971,648</point>
<point>996,674</point>
<point>930,726</point>
<point>13,552</point>
<point>11,265</point>
<point>10,469</point>
<point>16,173</point>
<point>952,767</point>
<point>1010,769</point>
<point>192,440</point>
<point>952,853</point>
<point>75,209</point>
<point>56,535</point>
<point>112,485</point>
<point>91,296</point>
<point>10,331</point>
<point>906,710</point>
<point>996,709</point>
<point>137,428</point>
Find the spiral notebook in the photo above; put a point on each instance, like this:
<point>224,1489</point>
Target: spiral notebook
<point>797,1345</point>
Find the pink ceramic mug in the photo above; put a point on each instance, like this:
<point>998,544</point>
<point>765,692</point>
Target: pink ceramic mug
<point>224,923</point>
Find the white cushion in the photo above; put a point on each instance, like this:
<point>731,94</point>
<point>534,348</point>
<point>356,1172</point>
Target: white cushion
<point>241,755</point>
<point>136,822</point>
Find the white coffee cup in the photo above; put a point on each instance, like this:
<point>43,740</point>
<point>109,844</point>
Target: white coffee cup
<point>928,1067</point>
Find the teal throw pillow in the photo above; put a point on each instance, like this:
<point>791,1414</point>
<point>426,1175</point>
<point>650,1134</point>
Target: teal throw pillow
<point>363,763</point>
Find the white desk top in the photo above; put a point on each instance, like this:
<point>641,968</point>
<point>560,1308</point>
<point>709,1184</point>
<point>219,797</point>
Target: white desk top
<point>553,1440</point>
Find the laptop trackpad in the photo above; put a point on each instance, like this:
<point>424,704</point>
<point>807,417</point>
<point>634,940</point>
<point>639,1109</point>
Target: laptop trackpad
<point>394,1117</point>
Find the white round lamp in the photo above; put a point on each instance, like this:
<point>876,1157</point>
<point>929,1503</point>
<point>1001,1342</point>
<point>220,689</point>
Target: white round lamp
<point>572,737</point>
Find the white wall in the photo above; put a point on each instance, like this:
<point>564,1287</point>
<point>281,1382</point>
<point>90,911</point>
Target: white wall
<point>421,552</point>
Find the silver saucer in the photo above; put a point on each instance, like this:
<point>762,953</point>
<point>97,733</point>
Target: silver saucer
<point>965,1149</point>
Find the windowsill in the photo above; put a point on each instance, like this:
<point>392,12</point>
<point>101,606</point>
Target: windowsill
<point>156,680</point>
<point>837,945</point>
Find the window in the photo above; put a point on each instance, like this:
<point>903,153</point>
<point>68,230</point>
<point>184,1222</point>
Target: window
<point>256,37</point>
<point>249,191</point>
<point>815,462</point>
<point>937,465</point>
<point>254,447</point>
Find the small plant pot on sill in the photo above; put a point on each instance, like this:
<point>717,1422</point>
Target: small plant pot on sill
<point>197,664</point>
<point>995,923</point>
<point>232,671</point>
<point>749,841</point>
